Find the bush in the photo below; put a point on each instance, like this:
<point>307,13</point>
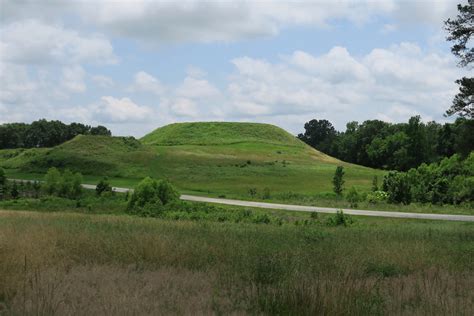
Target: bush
<point>353,197</point>
<point>340,219</point>
<point>103,186</point>
<point>377,197</point>
<point>150,195</point>
<point>66,185</point>
<point>398,188</point>
<point>338,180</point>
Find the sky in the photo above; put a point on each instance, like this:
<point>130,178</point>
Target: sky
<point>134,66</point>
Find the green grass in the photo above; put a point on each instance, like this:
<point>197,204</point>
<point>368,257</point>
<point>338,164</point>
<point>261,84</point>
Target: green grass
<point>96,264</point>
<point>211,158</point>
<point>219,133</point>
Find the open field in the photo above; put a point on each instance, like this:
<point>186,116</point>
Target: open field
<point>103,264</point>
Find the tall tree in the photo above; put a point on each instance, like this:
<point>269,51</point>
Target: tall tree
<point>460,31</point>
<point>319,134</point>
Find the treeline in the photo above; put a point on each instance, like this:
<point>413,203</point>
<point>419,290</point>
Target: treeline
<point>383,145</point>
<point>44,133</point>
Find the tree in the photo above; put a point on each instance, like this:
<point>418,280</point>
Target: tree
<point>150,195</point>
<point>319,134</point>
<point>463,102</point>
<point>397,186</point>
<point>14,192</point>
<point>353,197</point>
<point>103,186</point>
<point>338,180</point>
<point>375,184</point>
<point>460,32</point>
<point>52,181</point>
<point>3,182</point>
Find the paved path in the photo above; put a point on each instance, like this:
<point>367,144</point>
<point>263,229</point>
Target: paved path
<point>302,208</point>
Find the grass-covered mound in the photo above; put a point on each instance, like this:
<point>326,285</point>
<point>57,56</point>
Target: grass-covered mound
<point>220,133</point>
<point>96,155</point>
<point>205,158</point>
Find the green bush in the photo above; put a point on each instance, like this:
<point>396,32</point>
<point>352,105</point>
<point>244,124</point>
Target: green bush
<point>339,219</point>
<point>353,197</point>
<point>150,195</point>
<point>338,180</point>
<point>377,197</point>
<point>67,184</point>
<point>398,187</point>
<point>103,186</point>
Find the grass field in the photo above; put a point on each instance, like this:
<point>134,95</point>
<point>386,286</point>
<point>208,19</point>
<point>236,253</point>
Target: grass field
<point>64,263</point>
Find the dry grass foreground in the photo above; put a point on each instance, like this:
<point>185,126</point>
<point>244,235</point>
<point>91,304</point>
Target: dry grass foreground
<point>116,265</point>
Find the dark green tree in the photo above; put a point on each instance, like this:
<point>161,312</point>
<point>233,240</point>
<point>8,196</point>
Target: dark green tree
<point>103,186</point>
<point>338,180</point>
<point>14,192</point>
<point>375,184</point>
<point>319,134</point>
<point>460,32</point>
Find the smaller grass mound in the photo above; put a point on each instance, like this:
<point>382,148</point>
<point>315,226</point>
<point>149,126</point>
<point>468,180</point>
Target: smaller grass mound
<point>219,133</point>
<point>98,155</point>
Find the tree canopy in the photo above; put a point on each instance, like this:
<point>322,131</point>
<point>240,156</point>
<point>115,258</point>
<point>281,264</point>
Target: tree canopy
<point>43,133</point>
<point>400,146</point>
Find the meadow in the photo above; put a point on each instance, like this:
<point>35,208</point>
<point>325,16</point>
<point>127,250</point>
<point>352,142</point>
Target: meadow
<point>70,263</point>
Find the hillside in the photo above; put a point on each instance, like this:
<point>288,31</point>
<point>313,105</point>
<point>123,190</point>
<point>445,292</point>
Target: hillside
<point>95,155</point>
<point>208,158</point>
<point>220,133</point>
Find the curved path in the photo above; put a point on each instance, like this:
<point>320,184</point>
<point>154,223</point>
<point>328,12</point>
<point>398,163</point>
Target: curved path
<point>302,208</point>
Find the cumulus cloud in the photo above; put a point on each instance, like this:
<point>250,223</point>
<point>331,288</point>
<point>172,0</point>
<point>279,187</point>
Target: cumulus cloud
<point>115,110</point>
<point>144,82</point>
<point>391,83</point>
<point>158,22</point>
<point>34,42</point>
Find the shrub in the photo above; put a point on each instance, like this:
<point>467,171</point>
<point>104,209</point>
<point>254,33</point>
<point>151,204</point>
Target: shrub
<point>353,197</point>
<point>377,197</point>
<point>398,188</point>
<point>375,184</point>
<point>66,185</point>
<point>150,195</point>
<point>266,194</point>
<point>253,192</point>
<point>52,180</point>
<point>103,186</point>
<point>338,180</point>
<point>340,219</point>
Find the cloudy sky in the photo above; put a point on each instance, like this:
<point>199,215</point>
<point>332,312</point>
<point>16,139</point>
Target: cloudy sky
<point>134,65</point>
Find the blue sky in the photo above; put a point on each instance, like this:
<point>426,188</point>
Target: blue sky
<point>137,65</point>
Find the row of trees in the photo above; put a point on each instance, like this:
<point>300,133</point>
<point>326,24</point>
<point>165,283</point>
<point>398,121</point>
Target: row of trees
<point>43,133</point>
<point>383,145</point>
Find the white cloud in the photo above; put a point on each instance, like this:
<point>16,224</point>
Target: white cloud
<point>115,110</point>
<point>184,107</point>
<point>73,79</point>
<point>33,42</point>
<point>103,81</point>
<point>196,88</point>
<point>144,82</point>
<point>392,83</point>
<point>158,22</point>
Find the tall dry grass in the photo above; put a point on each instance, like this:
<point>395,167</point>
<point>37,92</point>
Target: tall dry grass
<point>63,264</point>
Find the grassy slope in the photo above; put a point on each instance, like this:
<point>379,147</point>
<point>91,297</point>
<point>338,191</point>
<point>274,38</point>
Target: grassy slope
<point>210,158</point>
<point>86,264</point>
